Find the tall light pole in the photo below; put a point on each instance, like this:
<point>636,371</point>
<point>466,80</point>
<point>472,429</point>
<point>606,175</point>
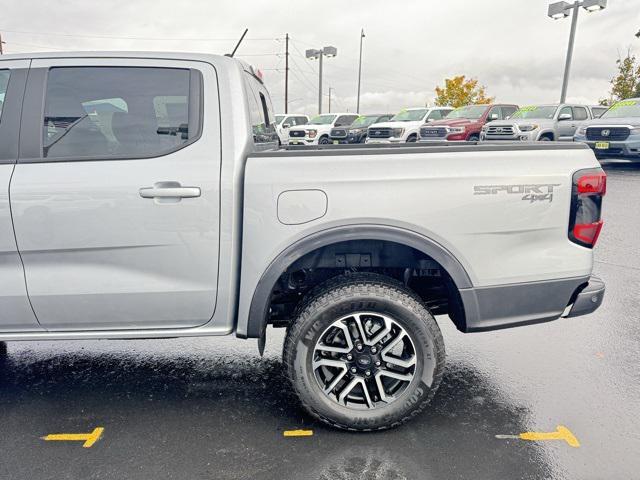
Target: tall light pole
<point>359,71</point>
<point>560,10</point>
<point>330,98</point>
<point>318,54</point>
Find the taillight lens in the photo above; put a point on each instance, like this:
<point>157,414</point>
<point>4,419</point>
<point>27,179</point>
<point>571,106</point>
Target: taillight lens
<point>589,186</point>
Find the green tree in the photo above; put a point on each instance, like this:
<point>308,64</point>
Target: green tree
<point>459,91</point>
<point>626,83</point>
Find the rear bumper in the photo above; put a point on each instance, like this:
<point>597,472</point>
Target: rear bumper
<point>514,305</point>
<point>588,299</point>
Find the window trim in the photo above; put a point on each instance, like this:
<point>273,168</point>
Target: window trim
<point>11,114</point>
<point>37,86</point>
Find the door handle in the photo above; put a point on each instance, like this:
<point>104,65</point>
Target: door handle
<point>169,190</point>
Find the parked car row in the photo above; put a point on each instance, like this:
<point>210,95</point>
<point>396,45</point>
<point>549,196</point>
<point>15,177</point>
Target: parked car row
<point>611,130</point>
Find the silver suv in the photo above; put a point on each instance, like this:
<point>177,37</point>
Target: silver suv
<point>538,123</point>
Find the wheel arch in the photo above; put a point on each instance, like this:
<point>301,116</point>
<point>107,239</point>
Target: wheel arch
<point>260,301</point>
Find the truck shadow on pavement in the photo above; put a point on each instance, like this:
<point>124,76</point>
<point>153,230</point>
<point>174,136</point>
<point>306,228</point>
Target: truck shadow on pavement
<point>221,416</point>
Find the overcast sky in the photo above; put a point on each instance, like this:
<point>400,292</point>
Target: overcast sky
<point>510,46</point>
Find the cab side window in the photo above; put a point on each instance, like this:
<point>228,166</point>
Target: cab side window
<point>495,111</point>
<point>508,111</point>
<point>435,115</point>
<point>4,82</point>
<point>580,113</point>
<point>345,120</point>
<point>567,111</point>
<point>129,112</point>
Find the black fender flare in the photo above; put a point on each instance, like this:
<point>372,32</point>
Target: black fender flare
<point>258,310</point>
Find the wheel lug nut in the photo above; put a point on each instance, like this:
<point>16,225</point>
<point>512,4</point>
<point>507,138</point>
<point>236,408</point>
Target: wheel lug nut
<point>374,349</point>
<point>349,357</point>
<point>368,373</point>
<point>353,370</point>
<point>359,347</point>
<point>378,363</point>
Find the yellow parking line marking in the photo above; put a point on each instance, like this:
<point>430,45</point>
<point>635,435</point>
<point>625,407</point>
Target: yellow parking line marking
<point>298,433</point>
<point>88,438</point>
<point>561,433</point>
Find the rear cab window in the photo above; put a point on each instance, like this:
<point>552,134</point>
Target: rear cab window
<point>260,112</point>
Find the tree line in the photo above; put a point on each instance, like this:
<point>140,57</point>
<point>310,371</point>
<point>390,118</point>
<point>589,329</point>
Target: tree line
<point>460,90</point>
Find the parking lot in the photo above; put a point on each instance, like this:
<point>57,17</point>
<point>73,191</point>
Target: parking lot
<point>211,408</point>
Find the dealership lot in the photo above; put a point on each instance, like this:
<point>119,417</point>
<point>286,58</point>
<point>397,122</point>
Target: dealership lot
<point>211,408</point>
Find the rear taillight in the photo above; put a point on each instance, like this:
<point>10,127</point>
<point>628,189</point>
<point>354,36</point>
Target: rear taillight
<point>589,186</point>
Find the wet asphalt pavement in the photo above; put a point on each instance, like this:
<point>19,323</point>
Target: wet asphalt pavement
<point>213,409</point>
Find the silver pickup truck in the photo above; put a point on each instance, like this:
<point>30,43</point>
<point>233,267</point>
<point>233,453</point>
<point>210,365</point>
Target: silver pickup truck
<point>540,123</point>
<point>141,196</point>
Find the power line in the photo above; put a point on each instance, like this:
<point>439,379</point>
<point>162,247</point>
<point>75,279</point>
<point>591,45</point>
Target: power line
<point>118,37</point>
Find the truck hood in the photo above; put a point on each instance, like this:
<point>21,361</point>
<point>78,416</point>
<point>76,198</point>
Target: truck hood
<point>521,121</point>
<point>397,124</point>
<point>634,121</point>
<point>319,128</point>
<point>454,122</point>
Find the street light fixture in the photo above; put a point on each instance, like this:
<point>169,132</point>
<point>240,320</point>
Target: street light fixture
<point>314,54</point>
<point>560,10</point>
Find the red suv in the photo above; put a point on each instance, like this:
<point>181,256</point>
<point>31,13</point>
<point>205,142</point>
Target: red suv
<point>464,123</point>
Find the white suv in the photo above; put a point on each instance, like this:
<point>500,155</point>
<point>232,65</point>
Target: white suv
<point>285,122</point>
<point>319,127</point>
<point>404,126</point>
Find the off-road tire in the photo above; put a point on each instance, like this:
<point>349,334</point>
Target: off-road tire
<point>341,296</point>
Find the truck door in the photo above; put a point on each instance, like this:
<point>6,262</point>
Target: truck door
<point>116,193</point>
<point>566,126</point>
<point>15,312</point>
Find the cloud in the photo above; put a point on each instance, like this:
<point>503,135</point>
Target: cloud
<point>510,46</point>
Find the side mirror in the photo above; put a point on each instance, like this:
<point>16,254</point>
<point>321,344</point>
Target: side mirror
<point>286,125</point>
<point>493,116</point>
<point>429,120</point>
<point>507,117</point>
<point>564,116</point>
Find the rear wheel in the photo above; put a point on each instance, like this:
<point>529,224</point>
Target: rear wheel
<point>412,139</point>
<point>364,353</point>
<point>324,141</point>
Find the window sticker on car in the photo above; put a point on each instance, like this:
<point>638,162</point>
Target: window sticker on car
<point>530,108</point>
<point>624,103</point>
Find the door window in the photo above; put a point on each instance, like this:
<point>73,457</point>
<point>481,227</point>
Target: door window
<point>435,115</point>
<point>117,112</point>
<point>345,120</point>
<point>4,82</point>
<point>566,110</point>
<point>580,113</point>
<point>495,111</point>
<point>508,111</point>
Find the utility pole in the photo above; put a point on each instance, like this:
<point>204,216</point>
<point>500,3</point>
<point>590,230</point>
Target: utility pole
<point>359,71</point>
<point>1,42</point>
<point>563,9</point>
<point>330,99</point>
<point>286,74</point>
<point>314,54</point>
<point>320,85</point>
<point>567,63</point>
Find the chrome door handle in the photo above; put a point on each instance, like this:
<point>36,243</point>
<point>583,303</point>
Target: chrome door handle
<point>169,190</point>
